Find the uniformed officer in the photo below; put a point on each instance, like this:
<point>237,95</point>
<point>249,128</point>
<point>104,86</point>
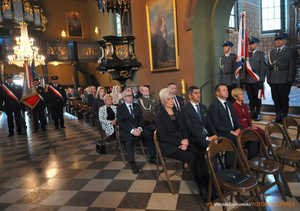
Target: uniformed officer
<point>57,97</point>
<point>281,73</point>
<point>148,102</point>
<point>38,111</point>
<point>227,65</point>
<point>258,63</point>
<point>11,94</point>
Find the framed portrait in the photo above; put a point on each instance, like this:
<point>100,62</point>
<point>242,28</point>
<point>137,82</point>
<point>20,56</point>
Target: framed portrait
<point>74,24</point>
<point>162,35</point>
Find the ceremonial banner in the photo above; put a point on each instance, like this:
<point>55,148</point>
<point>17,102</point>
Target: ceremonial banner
<point>30,96</point>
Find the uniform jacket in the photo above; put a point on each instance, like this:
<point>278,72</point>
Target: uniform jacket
<point>145,104</point>
<point>194,125</point>
<point>56,100</point>
<point>227,69</point>
<point>258,63</point>
<point>41,92</point>
<point>9,101</point>
<point>125,121</point>
<point>170,138</point>
<point>286,63</point>
<point>220,118</point>
<point>107,127</point>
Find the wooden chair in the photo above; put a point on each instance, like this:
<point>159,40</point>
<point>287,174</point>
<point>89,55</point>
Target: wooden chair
<point>262,164</point>
<point>223,187</point>
<point>68,106</point>
<point>120,141</point>
<point>284,151</point>
<point>291,122</point>
<point>75,108</point>
<point>161,159</point>
<point>150,120</point>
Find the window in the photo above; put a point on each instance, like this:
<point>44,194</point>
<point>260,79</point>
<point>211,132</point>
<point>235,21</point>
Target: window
<point>118,24</point>
<point>272,15</point>
<point>232,19</point>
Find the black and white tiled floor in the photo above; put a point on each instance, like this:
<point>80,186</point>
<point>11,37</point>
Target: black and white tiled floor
<point>60,170</point>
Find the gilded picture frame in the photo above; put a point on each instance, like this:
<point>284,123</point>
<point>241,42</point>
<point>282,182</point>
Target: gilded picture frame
<point>74,24</point>
<point>162,35</point>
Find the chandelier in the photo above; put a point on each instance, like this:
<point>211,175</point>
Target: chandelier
<point>118,6</point>
<point>25,50</point>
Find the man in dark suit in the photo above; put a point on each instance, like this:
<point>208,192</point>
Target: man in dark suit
<point>258,63</point>
<point>226,123</point>
<point>281,73</point>
<point>58,99</point>
<point>227,65</point>
<point>11,94</point>
<point>200,129</point>
<point>178,101</point>
<point>136,93</point>
<point>38,110</point>
<point>130,121</point>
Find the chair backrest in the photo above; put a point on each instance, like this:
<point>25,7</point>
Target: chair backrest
<point>69,102</point>
<point>291,122</point>
<point>91,109</point>
<point>249,134</point>
<point>74,103</point>
<point>276,136</point>
<point>156,142</point>
<point>224,145</point>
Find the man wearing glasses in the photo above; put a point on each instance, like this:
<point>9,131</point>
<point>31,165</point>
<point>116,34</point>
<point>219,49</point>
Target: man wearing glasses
<point>130,121</point>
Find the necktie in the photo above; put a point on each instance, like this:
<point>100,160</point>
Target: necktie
<point>278,51</point>
<point>131,111</point>
<point>251,54</point>
<point>199,114</point>
<point>227,110</point>
<point>176,104</point>
<point>10,84</point>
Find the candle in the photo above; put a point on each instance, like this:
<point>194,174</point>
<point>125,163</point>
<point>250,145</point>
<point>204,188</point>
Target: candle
<point>183,86</point>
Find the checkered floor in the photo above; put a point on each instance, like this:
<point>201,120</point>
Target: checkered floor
<point>60,170</point>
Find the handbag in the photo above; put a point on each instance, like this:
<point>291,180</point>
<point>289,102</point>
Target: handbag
<point>100,146</point>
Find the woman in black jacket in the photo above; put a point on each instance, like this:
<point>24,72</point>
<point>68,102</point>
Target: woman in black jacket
<point>174,140</point>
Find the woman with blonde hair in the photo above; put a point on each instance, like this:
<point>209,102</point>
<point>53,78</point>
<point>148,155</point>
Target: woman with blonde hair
<point>117,94</point>
<point>242,113</point>
<point>108,115</point>
<point>98,102</point>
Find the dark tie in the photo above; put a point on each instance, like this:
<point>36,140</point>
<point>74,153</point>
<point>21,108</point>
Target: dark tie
<point>251,54</point>
<point>199,114</point>
<point>131,111</point>
<point>227,109</point>
<point>278,50</point>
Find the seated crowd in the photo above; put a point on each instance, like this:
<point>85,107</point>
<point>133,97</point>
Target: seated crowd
<point>185,131</point>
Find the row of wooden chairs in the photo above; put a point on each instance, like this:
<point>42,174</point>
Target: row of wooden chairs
<point>283,151</point>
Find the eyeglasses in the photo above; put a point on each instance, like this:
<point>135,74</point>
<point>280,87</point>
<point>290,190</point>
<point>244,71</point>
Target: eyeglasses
<point>127,95</point>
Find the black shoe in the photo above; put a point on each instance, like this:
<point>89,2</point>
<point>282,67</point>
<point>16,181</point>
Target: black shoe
<point>135,169</point>
<point>63,126</point>
<point>10,134</point>
<point>153,160</point>
<point>203,194</point>
<point>257,117</point>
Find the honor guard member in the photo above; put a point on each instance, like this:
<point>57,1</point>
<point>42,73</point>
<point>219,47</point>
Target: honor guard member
<point>258,63</point>
<point>227,65</point>
<point>281,73</point>
<point>11,94</point>
<point>38,111</point>
<point>57,97</point>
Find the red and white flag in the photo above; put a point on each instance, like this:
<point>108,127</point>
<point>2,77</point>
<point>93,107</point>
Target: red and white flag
<point>243,50</point>
<point>30,96</point>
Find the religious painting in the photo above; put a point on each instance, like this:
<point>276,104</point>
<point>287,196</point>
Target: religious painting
<point>74,24</point>
<point>162,35</point>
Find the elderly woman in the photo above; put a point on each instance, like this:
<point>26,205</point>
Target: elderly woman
<point>174,141</point>
<point>98,102</point>
<point>117,94</point>
<point>108,115</point>
<point>242,112</point>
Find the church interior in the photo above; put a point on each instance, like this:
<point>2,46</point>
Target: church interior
<point>129,43</point>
